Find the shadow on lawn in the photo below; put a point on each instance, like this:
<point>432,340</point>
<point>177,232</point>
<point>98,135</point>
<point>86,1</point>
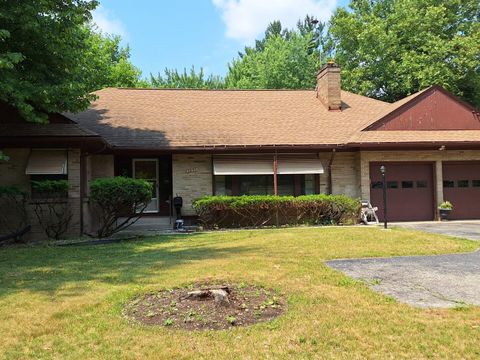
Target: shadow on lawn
<point>46,269</point>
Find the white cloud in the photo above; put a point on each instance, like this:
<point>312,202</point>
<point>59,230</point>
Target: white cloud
<point>107,23</point>
<point>245,20</point>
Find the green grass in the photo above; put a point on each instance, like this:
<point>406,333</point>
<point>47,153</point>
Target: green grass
<point>66,302</point>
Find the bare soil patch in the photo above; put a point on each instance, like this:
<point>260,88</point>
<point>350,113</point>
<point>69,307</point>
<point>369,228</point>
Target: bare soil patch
<point>206,306</point>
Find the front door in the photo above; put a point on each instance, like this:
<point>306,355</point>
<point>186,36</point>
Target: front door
<point>147,169</point>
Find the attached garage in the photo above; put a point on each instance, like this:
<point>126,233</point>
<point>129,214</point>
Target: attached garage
<point>461,186</point>
<point>410,190</point>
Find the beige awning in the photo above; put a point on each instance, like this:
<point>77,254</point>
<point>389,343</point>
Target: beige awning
<point>47,162</point>
<point>299,166</point>
<point>238,166</point>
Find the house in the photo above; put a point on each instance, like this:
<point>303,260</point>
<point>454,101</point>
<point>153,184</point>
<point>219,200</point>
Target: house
<point>287,142</point>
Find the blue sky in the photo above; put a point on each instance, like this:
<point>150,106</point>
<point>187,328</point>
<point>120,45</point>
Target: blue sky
<point>204,33</point>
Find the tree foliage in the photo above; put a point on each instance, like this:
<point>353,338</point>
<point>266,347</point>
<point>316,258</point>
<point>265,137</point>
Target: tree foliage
<point>51,58</point>
<point>389,49</point>
<point>172,79</point>
<point>283,59</point>
<point>42,44</point>
<point>108,63</point>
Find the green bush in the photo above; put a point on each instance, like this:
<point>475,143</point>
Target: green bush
<point>119,197</point>
<point>269,210</point>
<point>50,189</point>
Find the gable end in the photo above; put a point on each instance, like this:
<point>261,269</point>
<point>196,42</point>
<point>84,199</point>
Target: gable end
<point>434,109</point>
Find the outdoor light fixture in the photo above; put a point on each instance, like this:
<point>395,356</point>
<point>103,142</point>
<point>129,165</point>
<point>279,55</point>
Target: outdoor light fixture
<point>383,170</point>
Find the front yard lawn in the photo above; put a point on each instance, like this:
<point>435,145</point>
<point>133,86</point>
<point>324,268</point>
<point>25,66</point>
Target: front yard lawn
<point>66,302</point>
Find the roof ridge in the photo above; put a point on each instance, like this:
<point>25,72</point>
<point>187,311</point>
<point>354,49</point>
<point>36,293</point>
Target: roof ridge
<point>200,89</point>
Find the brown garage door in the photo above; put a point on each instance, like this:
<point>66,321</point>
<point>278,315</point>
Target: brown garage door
<point>410,191</point>
<point>461,186</point>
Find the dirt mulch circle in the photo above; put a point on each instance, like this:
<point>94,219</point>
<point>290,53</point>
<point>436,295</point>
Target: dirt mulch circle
<point>206,306</point>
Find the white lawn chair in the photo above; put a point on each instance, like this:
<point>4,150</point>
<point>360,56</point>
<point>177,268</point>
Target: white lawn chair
<point>368,214</point>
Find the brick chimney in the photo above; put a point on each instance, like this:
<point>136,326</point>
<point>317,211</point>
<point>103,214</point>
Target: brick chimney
<point>328,86</point>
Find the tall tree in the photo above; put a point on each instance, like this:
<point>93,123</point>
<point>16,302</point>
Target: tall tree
<point>389,49</point>
<point>186,80</point>
<point>283,59</point>
<point>41,47</point>
<point>107,63</point>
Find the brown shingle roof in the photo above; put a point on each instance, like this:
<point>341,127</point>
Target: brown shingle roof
<point>138,118</point>
<point>44,130</point>
<point>168,119</point>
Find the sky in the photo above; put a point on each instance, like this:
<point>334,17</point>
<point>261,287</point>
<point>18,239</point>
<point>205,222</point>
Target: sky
<point>203,33</point>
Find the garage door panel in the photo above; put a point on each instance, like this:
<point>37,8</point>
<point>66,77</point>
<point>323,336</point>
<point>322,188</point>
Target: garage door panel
<point>410,190</point>
<point>461,186</point>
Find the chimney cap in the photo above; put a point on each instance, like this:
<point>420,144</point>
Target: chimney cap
<point>330,64</point>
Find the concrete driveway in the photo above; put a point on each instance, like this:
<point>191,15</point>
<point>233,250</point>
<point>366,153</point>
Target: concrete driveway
<point>424,281</point>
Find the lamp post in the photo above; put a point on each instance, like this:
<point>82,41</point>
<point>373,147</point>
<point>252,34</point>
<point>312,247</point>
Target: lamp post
<point>382,170</point>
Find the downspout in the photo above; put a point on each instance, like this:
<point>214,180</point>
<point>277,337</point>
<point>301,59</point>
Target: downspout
<point>330,163</point>
<point>275,171</point>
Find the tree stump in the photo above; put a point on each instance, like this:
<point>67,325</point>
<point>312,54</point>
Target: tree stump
<point>219,295</point>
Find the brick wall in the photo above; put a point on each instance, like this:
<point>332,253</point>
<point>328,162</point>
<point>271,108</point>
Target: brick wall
<point>12,173</point>
<point>97,166</point>
<point>328,86</point>
<point>434,156</point>
<point>345,174</point>
<point>192,178</point>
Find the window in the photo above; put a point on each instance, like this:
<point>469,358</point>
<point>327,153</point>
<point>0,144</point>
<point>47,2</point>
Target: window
<point>421,184</point>
<point>476,183</point>
<point>255,184</point>
<point>407,184</point>
<point>286,185</point>
<point>223,185</point>
<point>377,185</point>
<point>392,184</point>
<point>463,183</point>
<point>309,184</point>
<point>234,185</point>
<point>448,183</point>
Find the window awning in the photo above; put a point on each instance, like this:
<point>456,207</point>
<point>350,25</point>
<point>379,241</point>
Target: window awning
<point>299,166</point>
<point>242,167</point>
<point>47,162</point>
<point>236,166</point>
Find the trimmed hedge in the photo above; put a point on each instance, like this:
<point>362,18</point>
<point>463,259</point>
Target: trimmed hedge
<point>269,210</point>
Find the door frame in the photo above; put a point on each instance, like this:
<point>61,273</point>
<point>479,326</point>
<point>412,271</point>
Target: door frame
<point>156,181</point>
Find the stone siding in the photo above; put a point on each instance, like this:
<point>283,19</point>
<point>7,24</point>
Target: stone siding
<point>12,173</point>
<point>192,178</point>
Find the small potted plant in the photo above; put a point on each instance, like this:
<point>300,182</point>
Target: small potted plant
<point>444,209</point>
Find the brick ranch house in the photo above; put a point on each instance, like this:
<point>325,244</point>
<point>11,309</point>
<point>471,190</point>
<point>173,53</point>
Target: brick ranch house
<point>231,142</point>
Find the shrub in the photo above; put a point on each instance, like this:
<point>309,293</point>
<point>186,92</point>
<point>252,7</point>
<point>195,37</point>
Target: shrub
<point>14,221</point>
<point>51,206</point>
<point>50,188</point>
<point>269,210</point>
<point>119,197</point>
